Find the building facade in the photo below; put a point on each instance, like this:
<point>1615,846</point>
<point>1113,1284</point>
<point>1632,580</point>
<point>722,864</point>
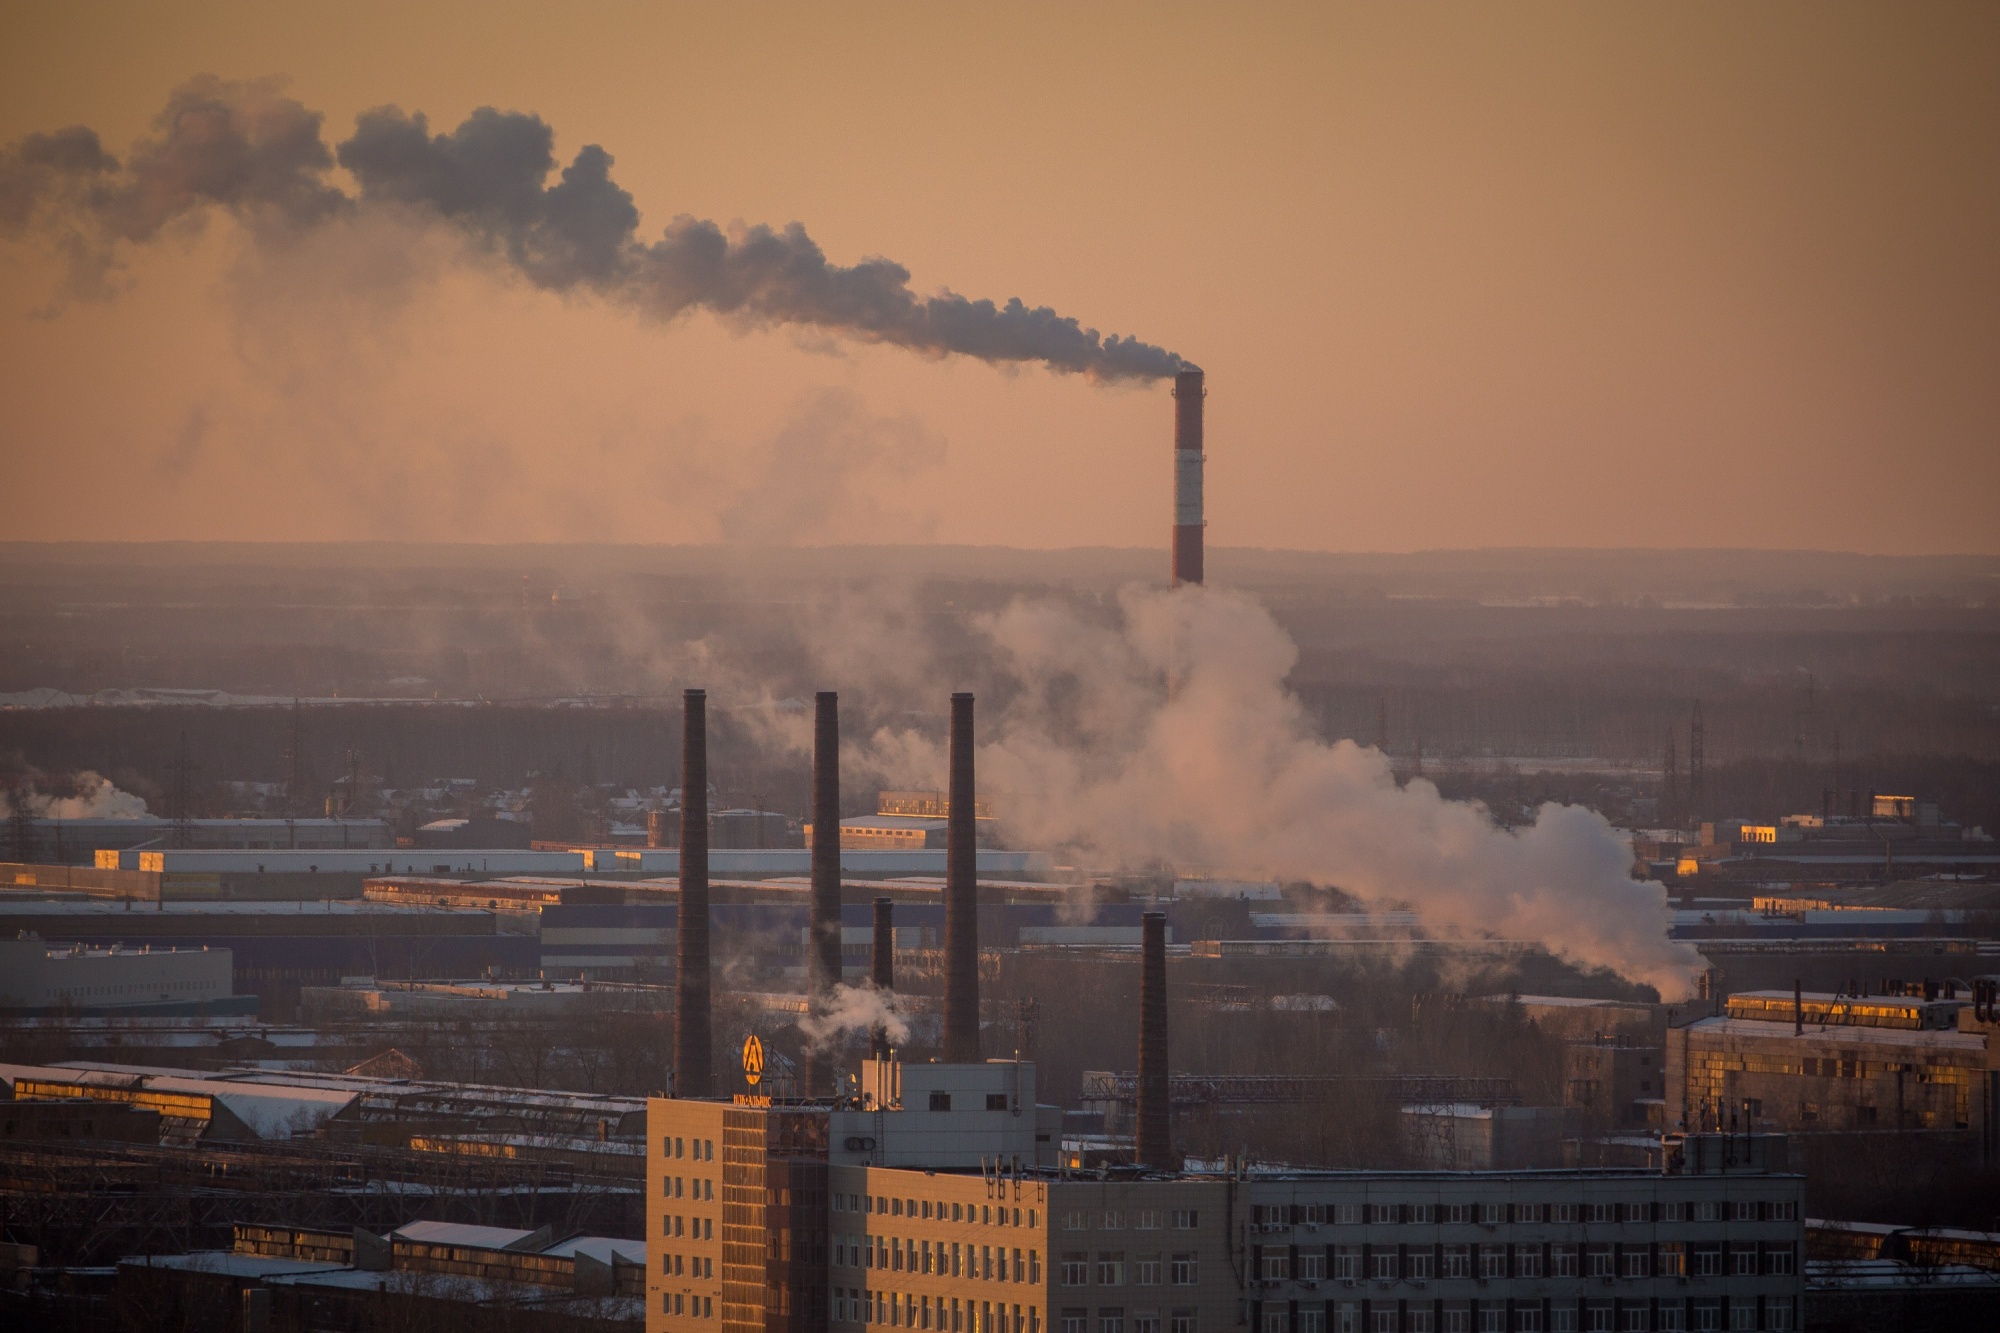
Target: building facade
<point>775,1218</point>
<point>37,977</point>
<point>1819,1063</point>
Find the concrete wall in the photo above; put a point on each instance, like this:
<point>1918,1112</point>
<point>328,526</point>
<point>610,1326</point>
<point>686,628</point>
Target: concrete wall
<point>33,975</point>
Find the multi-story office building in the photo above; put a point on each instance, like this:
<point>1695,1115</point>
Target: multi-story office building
<point>739,1203</point>
<point>828,1216</point>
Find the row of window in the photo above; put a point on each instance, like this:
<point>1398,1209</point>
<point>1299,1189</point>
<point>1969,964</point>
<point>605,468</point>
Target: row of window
<point>676,1187</point>
<point>1496,1214</point>
<point>686,1265</point>
<point>1112,1320</point>
<point>72,992</point>
<point>1143,1219</point>
<point>1281,1263</point>
<point>695,1228</point>
<point>901,1254</point>
<point>1777,1314</point>
<point>698,1307</point>
<point>1181,1270</point>
<point>943,1315</point>
<point>981,1214</point>
<point>703,1149</point>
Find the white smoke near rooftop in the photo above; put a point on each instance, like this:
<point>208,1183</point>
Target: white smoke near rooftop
<point>93,796</point>
<point>1169,737</point>
<point>856,1011</point>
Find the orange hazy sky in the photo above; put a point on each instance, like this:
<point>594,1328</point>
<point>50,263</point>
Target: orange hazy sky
<point>1460,275</point>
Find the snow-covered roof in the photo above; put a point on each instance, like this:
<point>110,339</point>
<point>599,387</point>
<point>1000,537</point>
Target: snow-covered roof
<point>461,1233</point>
<point>231,1264</point>
<point>601,1248</point>
<point>268,1110</point>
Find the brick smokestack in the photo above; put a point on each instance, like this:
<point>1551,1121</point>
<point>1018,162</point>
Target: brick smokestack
<point>823,955</point>
<point>1189,390</point>
<point>884,974</point>
<point>1155,1147</point>
<point>961,897</point>
<point>693,1071</point>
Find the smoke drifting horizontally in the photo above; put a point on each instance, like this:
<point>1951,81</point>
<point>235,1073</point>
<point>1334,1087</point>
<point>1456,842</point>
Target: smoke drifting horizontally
<point>1170,738</point>
<point>246,148</point>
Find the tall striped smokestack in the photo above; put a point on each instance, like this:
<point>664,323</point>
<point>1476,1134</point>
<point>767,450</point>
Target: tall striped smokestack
<point>884,967</point>
<point>823,957</point>
<point>693,1072</point>
<point>1155,1147</point>
<point>1189,390</point>
<point>961,897</point>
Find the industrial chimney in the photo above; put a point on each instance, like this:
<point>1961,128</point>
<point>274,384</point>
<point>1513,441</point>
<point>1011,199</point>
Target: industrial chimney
<point>961,897</point>
<point>823,954</point>
<point>1155,1147</point>
<point>693,1074</point>
<point>1188,522</point>
<point>884,968</point>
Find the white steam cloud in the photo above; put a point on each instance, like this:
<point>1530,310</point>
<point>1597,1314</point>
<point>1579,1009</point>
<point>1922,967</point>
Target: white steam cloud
<point>1169,738</point>
<point>95,797</point>
<point>856,1010</point>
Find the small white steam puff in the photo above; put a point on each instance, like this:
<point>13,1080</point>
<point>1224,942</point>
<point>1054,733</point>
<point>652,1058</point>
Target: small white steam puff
<point>856,1010</point>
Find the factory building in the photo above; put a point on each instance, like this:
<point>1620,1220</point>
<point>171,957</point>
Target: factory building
<point>1815,1062</point>
<point>37,978</point>
<point>463,1119</point>
<point>855,862</point>
<point>618,939</point>
<point>910,820</point>
<point>910,832</point>
<point>422,1274</point>
<point>278,947</point>
<point>91,841</point>
<point>784,1217</point>
<point>478,1001</point>
<point>1614,1082</point>
<point>281,874</point>
<point>1901,837</point>
<point>924,1198</point>
<point>1471,1136</point>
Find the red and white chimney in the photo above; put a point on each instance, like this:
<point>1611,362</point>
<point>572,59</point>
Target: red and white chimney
<point>1189,391</point>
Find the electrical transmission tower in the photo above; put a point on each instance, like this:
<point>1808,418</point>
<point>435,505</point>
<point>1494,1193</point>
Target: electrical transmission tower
<point>21,819</point>
<point>1697,779</point>
<point>181,798</point>
<point>295,763</point>
<point>1670,784</point>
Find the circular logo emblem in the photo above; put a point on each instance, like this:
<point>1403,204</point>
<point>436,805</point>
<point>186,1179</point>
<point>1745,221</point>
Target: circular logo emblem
<point>753,1060</point>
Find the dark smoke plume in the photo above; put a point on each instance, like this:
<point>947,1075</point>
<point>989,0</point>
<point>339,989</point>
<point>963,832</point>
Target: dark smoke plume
<point>246,148</point>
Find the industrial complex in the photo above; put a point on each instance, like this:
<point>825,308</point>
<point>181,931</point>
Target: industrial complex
<point>713,1066</point>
